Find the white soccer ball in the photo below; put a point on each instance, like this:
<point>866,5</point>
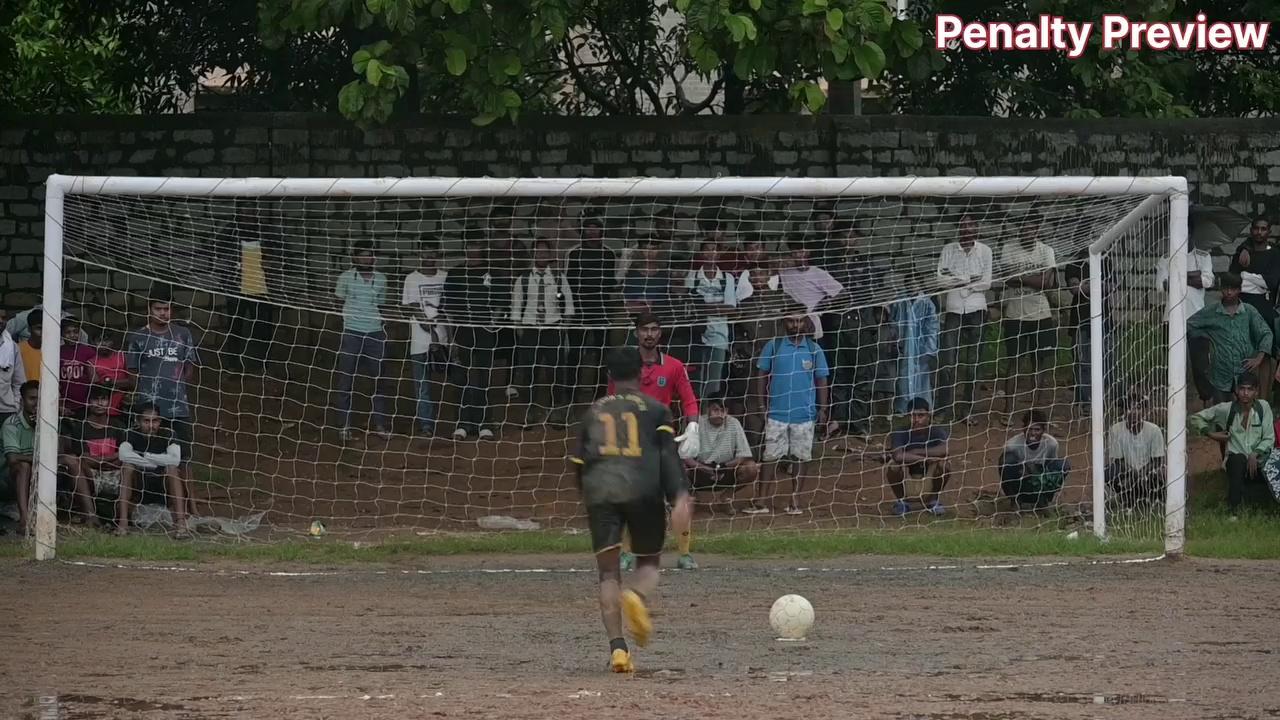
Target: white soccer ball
<point>791,617</point>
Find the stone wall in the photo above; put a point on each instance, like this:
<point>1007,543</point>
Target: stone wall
<point>1228,162</point>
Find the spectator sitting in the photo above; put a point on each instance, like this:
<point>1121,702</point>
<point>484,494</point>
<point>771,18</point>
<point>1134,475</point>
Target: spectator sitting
<point>75,369</point>
<point>1247,428</point>
<point>922,450</point>
<point>149,460</point>
<point>1031,470</point>
<point>428,339</point>
<point>18,440</point>
<point>724,462</point>
<point>1238,336</point>
<point>110,369</point>
<point>1135,455</point>
<point>541,300</point>
<point>94,440</point>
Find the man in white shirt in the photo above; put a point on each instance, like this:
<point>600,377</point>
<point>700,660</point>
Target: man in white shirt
<point>724,461</point>
<point>1030,330</point>
<point>428,339</point>
<point>718,290</point>
<point>1135,457</point>
<point>540,302</point>
<point>965,269</point>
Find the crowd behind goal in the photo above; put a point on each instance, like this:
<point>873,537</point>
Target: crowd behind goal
<point>768,343</point>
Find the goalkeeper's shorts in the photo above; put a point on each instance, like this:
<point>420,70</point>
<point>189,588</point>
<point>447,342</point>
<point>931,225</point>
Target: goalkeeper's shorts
<point>645,518</point>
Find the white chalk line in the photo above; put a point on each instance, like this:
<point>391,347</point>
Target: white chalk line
<point>570,571</point>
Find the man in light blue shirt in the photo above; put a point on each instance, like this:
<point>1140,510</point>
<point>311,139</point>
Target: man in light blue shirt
<point>795,370</point>
<point>363,292</point>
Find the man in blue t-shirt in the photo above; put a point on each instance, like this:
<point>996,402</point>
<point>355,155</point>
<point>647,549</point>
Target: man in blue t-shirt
<point>921,450</point>
<point>795,371</point>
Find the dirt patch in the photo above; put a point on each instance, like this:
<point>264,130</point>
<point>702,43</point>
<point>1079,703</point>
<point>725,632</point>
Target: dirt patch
<point>1191,639</point>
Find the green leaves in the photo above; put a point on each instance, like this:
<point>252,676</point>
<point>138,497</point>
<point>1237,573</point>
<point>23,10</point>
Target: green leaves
<point>455,61</point>
<point>869,59</point>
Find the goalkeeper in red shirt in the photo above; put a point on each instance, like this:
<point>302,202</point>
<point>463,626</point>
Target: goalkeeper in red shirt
<point>665,379</point>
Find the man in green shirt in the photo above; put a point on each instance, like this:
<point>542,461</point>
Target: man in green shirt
<point>1241,339</point>
<point>362,291</point>
<point>18,442</point>
<point>1247,428</point>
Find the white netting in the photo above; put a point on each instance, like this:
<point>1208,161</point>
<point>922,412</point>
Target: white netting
<point>254,280</point>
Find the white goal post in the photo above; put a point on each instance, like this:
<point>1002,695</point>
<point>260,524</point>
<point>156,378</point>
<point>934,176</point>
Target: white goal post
<point>1153,197</point>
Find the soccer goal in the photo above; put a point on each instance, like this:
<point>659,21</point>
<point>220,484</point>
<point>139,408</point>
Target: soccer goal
<point>373,357</point>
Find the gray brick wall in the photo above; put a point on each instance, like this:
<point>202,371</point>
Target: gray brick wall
<point>1228,162</point>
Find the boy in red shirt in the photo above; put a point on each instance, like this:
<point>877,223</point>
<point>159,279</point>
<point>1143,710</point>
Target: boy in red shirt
<point>111,370</point>
<point>76,371</point>
<point>664,379</point>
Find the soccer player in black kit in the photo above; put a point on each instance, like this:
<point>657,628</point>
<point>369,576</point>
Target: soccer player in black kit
<point>628,469</point>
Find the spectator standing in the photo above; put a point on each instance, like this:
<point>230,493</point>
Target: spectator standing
<point>1135,457</point>
<point>1030,332</point>
<point>1235,332</point>
<point>1080,324</point>
<point>1246,426</point>
<point>647,285</point>
<point>363,291</point>
<point>756,263</point>
<point>163,358</point>
<point>724,461</point>
<point>75,370</point>
<point>20,325</point>
<point>1200,278</point>
<point>922,450</point>
<point>541,301</point>
<point>428,338</point>
<point>252,327</point>
<point>111,370</point>
<point>469,309</point>
<point>718,291</point>
<point>809,285</point>
<point>1031,469</point>
<point>13,374</point>
<point>793,376</point>
<point>964,268</point>
<point>508,260</point>
<point>29,349</point>
<point>590,268</point>
<point>916,318</point>
<point>1258,265</point>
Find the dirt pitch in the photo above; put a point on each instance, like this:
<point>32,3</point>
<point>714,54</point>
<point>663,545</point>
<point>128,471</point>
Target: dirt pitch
<point>1189,639</point>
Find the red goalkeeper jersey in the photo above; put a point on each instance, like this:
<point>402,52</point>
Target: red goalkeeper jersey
<point>667,380</point>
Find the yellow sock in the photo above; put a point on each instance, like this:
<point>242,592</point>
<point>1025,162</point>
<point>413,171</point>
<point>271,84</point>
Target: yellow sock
<point>686,537</point>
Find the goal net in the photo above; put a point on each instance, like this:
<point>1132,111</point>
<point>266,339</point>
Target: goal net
<point>400,356</point>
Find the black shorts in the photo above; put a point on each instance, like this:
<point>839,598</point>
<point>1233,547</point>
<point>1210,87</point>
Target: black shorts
<point>1024,338</point>
<point>182,434</point>
<point>646,518</point>
<point>721,479</point>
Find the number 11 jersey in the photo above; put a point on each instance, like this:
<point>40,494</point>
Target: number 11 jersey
<point>621,448</point>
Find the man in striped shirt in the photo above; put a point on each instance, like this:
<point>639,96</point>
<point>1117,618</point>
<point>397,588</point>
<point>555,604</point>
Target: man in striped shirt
<point>1240,337</point>
<point>664,379</point>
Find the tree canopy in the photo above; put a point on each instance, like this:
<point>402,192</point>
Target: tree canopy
<point>372,59</point>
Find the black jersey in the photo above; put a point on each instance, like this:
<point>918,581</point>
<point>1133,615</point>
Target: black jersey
<point>626,449</point>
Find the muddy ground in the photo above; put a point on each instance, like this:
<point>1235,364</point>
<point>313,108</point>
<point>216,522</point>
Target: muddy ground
<point>1188,639</point>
